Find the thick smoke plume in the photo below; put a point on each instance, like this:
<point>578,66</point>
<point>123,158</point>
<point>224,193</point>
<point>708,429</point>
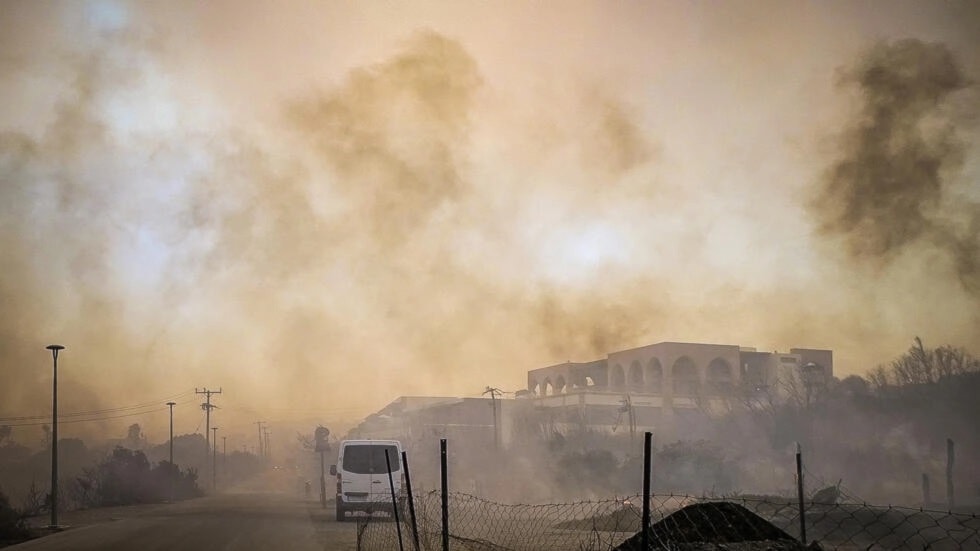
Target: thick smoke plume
<point>397,211</point>
<point>894,184</point>
<point>56,194</point>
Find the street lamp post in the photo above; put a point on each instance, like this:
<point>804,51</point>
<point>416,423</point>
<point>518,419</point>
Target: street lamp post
<point>172,468</point>
<point>214,460</point>
<point>54,348</point>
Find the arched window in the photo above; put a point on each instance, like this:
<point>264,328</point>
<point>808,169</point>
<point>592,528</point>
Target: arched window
<point>618,378</point>
<point>684,376</point>
<point>720,381</point>
<point>560,384</point>
<point>547,389</point>
<point>813,374</point>
<point>655,376</point>
<point>636,375</point>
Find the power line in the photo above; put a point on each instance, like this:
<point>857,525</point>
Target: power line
<point>198,427</point>
<point>98,411</point>
<point>299,410</point>
<point>34,424</point>
<point>96,418</point>
<point>122,408</point>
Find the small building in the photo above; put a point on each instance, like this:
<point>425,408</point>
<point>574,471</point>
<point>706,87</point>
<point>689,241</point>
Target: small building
<point>424,419</point>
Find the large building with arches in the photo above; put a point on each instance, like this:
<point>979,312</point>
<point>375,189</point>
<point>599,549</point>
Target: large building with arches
<point>666,386</point>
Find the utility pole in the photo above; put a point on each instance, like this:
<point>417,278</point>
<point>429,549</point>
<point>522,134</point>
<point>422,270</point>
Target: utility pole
<point>261,452</point>
<point>268,449</point>
<point>207,407</point>
<point>54,348</point>
<point>214,461</point>
<point>224,453</point>
<point>173,469</point>
<point>632,419</point>
<point>321,436</point>
<point>628,409</point>
<point>493,404</point>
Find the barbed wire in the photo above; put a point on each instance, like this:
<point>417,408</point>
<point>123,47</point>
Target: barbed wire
<point>815,483</point>
<point>677,522</point>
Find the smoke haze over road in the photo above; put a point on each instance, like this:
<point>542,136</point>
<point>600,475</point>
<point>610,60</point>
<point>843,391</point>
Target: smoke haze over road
<point>322,206</point>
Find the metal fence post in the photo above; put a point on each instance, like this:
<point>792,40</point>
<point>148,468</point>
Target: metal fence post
<point>411,501</point>
<point>799,491</point>
<point>950,457</point>
<point>394,501</point>
<point>645,524</point>
<point>445,494</point>
<point>926,491</point>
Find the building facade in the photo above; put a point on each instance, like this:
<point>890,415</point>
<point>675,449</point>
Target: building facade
<point>664,387</point>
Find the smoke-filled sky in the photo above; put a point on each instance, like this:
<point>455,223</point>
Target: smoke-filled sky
<point>320,206</point>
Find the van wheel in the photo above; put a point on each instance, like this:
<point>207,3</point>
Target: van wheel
<point>340,512</point>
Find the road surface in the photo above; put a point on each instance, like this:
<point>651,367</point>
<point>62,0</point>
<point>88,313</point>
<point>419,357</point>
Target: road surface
<point>244,521</point>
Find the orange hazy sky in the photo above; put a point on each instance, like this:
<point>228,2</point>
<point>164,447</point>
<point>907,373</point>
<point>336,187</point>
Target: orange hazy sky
<point>321,206</point>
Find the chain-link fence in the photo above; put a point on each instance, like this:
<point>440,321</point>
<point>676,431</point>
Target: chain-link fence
<point>677,522</point>
<point>829,517</point>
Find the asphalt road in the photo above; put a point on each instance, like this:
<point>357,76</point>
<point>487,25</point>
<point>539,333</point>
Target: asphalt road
<point>243,521</point>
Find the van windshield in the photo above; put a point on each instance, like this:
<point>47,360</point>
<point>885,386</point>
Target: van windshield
<point>370,458</point>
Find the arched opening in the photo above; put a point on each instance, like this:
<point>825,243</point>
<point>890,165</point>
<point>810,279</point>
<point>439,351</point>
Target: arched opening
<point>719,377</point>
<point>617,378</point>
<point>814,380</point>
<point>655,376</point>
<point>560,384</point>
<point>547,388</point>
<point>812,373</point>
<point>754,377</point>
<point>589,381</point>
<point>684,376</point>
<point>534,387</point>
<point>636,375</point>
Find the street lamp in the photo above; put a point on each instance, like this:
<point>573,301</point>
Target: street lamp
<point>172,468</point>
<point>54,348</point>
<point>214,460</point>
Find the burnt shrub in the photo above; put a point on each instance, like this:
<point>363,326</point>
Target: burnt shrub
<point>184,482</point>
<point>13,529</point>
<point>593,470</point>
<point>125,477</point>
<point>690,467</point>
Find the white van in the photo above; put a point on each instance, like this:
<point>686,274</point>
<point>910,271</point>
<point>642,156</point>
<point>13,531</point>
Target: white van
<point>362,475</point>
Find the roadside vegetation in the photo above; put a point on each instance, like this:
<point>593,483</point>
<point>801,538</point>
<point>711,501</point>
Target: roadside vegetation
<point>125,477</point>
<point>13,528</point>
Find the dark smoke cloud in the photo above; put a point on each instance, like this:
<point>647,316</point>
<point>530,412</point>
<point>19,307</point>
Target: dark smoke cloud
<point>393,134</point>
<point>893,185</point>
<point>617,144</point>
